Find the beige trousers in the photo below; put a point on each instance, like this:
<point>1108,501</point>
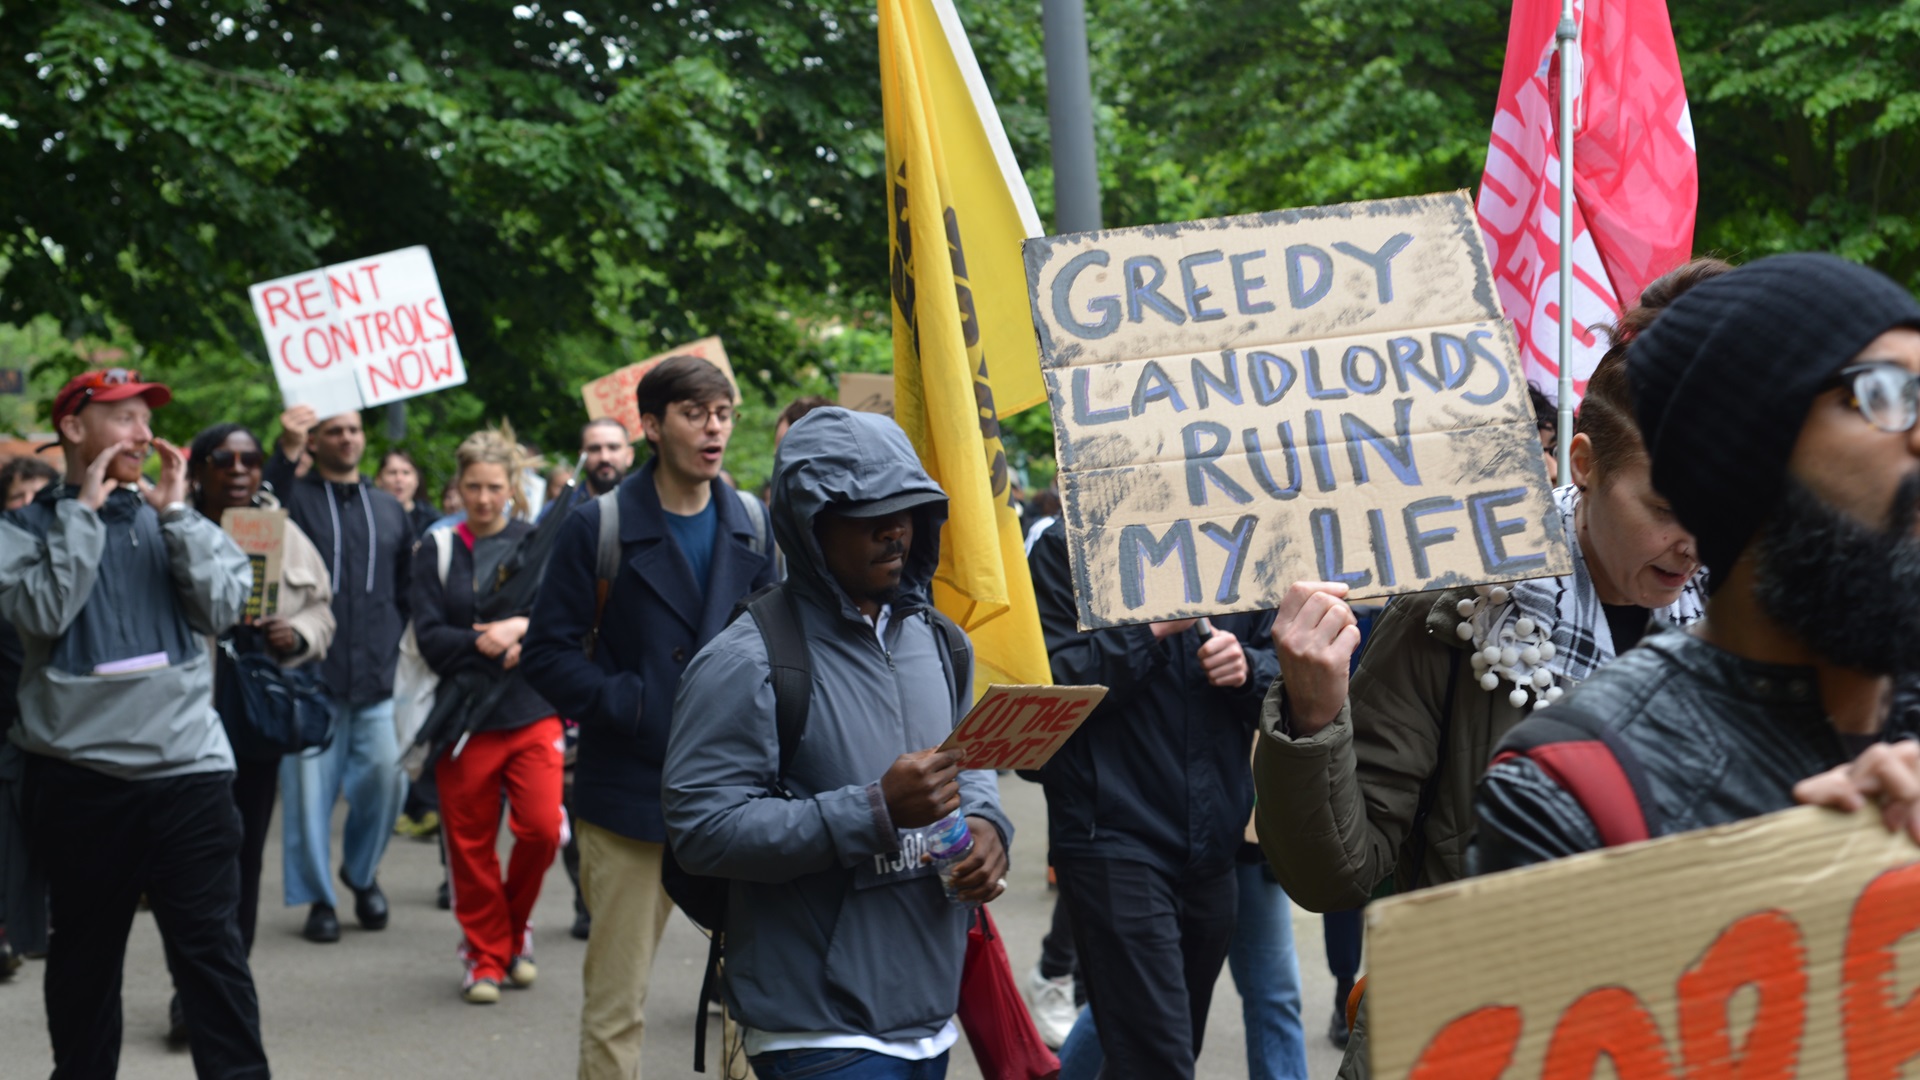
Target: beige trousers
<point>620,881</point>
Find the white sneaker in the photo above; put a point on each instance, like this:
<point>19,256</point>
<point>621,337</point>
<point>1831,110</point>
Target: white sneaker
<point>1050,1001</point>
<point>521,972</point>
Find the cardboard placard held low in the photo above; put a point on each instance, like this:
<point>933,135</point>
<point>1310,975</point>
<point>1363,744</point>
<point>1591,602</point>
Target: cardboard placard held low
<point>1020,727</point>
<point>866,392</point>
<point>1783,946</point>
<point>1325,394</point>
<point>262,534</point>
<point>612,395</point>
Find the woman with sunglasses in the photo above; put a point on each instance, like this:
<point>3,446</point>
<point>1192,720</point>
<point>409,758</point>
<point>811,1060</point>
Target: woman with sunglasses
<point>224,464</point>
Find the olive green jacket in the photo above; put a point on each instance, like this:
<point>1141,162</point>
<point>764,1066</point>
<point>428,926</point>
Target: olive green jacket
<point>1335,808</point>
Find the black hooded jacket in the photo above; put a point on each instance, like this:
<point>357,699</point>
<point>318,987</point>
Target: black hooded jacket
<point>367,542</point>
<point>1160,772</point>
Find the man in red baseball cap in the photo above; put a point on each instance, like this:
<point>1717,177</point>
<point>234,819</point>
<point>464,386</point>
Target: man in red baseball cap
<point>127,430</point>
<point>114,584</point>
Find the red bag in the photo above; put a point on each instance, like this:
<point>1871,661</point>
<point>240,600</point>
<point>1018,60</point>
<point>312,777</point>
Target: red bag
<point>996,1020</point>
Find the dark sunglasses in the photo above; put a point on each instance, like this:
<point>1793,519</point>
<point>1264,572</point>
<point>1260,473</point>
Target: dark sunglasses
<point>248,459</point>
<point>1887,394</point>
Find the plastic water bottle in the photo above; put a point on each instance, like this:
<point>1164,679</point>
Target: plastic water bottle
<point>948,843</point>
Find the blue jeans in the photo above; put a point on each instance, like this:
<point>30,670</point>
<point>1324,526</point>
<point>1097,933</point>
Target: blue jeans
<point>844,1065</point>
<point>1267,974</point>
<point>362,763</point>
<point>1081,1056</point>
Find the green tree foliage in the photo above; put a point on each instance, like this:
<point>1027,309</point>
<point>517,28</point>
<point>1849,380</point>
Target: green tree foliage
<point>595,183</point>
<point>600,180</point>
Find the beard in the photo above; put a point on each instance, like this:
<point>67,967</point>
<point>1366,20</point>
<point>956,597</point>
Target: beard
<point>1848,591</point>
<point>603,478</point>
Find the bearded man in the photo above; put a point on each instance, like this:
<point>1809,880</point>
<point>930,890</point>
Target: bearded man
<point>1779,404</point>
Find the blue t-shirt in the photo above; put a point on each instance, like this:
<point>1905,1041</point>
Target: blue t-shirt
<point>694,534</point>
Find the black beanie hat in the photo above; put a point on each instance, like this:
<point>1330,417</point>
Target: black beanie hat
<point>1725,376</point>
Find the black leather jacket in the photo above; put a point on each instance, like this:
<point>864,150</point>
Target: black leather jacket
<point>1720,739</point>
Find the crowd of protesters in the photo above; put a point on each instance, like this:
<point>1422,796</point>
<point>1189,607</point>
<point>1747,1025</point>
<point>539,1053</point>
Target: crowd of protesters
<point>1737,646</point>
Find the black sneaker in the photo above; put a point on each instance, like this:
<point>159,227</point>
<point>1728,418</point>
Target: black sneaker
<point>443,898</point>
<point>323,926</point>
<point>369,904</point>
<point>1337,1032</point>
<point>176,1023</point>
<point>582,925</point>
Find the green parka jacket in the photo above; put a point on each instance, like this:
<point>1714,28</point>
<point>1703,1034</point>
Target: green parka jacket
<point>1335,809</point>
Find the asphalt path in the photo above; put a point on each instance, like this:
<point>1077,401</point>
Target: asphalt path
<point>386,1004</point>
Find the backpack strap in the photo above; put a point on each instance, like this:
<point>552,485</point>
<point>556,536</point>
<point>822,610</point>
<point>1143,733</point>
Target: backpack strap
<point>958,653</point>
<point>442,552</point>
<point>776,612</point>
<point>606,563</point>
<point>709,991</point>
<point>1589,760</point>
<point>757,514</point>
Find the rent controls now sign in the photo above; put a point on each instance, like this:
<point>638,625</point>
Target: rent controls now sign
<point>1319,394</point>
<point>367,332</point>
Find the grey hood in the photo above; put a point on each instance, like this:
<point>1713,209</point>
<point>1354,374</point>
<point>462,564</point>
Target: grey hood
<point>835,456</point>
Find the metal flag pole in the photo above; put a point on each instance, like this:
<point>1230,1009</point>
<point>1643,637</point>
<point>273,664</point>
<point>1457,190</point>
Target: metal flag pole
<point>1566,39</point>
<point>1076,176</point>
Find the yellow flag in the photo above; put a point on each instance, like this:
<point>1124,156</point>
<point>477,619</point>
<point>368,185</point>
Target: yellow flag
<point>948,333</point>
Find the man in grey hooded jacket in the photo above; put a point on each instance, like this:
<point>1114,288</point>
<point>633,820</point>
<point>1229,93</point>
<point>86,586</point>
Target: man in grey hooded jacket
<point>843,954</point>
<point>113,584</point>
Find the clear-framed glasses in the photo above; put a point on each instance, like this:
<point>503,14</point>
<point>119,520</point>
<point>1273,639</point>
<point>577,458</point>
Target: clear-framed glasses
<point>698,415</point>
<point>1887,394</point>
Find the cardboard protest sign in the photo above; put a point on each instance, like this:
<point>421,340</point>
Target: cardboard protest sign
<point>1767,948</point>
<point>262,534</point>
<point>612,395</point>
<point>864,392</point>
<point>368,332</point>
<point>1020,727</point>
<point>1322,394</point>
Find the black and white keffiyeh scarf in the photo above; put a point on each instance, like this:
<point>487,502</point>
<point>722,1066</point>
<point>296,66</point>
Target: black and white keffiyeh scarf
<point>1545,635</point>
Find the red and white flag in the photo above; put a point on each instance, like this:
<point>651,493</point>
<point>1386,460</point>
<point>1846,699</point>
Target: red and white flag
<point>1635,184</point>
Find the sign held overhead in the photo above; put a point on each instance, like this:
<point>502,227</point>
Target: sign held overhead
<point>612,395</point>
<point>866,392</point>
<point>1776,947</point>
<point>362,333</point>
<point>1327,394</point>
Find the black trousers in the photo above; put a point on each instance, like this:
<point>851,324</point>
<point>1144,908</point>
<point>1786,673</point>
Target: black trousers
<point>1151,946</point>
<point>255,785</point>
<point>104,842</point>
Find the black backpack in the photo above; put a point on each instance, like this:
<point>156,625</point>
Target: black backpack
<point>776,612</point>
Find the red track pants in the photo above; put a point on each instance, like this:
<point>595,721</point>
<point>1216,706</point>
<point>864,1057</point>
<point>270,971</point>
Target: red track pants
<point>524,764</point>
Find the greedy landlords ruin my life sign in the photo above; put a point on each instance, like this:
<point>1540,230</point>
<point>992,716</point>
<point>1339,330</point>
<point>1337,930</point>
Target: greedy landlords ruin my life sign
<point>367,332</point>
<point>1323,394</point>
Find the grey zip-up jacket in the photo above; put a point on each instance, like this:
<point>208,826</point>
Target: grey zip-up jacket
<point>833,925</point>
<point>86,588</point>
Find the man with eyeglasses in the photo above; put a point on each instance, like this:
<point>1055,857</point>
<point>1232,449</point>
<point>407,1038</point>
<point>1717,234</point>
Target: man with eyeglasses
<point>610,656</point>
<point>1778,403</point>
<point>115,584</point>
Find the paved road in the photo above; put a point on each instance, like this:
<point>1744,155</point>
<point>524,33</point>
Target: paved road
<point>386,1004</point>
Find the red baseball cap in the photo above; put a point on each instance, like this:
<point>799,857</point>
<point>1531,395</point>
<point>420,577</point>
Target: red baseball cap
<point>106,384</point>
